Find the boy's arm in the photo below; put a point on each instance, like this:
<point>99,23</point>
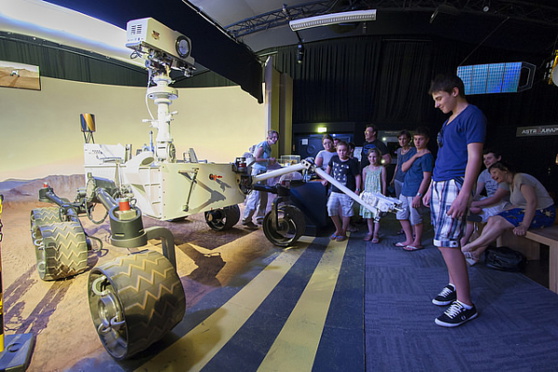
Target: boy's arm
<point>497,197</point>
<point>328,171</point>
<point>423,188</point>
<point>428,195</point>
<point>407,165</point>
<point>474,157</point>
<point>258,154</point>
<point>480,187</point>
<point>358,178</point>
<point>357,183</point>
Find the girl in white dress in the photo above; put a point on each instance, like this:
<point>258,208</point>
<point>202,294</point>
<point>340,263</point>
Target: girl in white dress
<point>374,176</point>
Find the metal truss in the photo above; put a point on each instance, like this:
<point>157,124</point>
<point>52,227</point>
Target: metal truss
<point>277,18</point>
<point>525,11</point>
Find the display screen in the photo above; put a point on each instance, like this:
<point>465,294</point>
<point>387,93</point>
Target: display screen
<point>490,78</point>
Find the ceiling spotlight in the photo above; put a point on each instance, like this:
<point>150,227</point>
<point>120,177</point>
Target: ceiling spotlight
<point>299,53</point>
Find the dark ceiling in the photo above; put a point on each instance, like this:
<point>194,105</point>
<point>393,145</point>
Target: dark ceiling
<point>228,34</point>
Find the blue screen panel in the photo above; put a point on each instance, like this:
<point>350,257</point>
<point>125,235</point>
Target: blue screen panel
<point>510,83</point>
<point>490,78</point>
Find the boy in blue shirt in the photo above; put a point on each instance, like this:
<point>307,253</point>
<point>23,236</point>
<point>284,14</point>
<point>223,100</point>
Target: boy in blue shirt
<point>418,172</point>
<point>460,144</point>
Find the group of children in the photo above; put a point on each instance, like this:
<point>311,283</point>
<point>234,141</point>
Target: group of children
<point>447,194</point>
<point>416,170</point>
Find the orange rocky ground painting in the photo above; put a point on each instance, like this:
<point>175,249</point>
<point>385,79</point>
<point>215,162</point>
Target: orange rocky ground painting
<point>57,312</point>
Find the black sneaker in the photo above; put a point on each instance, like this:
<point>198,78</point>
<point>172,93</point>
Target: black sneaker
<point>446,296</point>
<point>249,225</point>
<point>456,315</point>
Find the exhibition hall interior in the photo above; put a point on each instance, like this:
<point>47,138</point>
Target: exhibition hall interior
<point>254,185</point>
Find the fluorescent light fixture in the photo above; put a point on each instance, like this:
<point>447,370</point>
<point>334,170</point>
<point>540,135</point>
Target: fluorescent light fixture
<point>322,129</point>
<point>333,19</point>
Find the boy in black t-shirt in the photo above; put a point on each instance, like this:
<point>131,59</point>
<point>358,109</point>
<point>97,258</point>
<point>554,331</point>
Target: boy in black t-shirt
<point>346,171</point>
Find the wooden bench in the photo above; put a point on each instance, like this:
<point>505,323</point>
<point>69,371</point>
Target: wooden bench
<point>529,245</point>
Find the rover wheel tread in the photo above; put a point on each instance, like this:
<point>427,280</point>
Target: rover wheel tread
<point>61,250</point>
<point>45,216</point>
<point>134,301</point>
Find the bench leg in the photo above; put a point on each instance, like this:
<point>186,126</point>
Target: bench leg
<point>553,268</point>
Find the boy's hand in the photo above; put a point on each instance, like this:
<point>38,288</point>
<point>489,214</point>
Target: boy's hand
<point>422,152</point>
<point>458,207</point>
<point>416,203</point>
<point>426,199</point>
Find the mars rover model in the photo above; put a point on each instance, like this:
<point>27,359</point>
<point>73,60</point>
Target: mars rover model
<point>136,299</point>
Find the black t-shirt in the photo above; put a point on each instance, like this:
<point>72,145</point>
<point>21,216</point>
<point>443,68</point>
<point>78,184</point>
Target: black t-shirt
<point>344,172</point>
<point>369,146</point>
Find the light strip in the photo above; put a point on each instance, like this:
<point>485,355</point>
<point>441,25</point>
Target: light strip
<point>332,19</point>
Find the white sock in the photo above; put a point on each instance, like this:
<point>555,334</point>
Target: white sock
<point>468,307</point>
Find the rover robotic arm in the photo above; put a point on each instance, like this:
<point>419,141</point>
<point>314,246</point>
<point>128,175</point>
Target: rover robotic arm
<point>377,203</point>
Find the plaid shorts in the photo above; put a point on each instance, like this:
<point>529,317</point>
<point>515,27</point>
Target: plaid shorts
<point>447,230</point>
<point>339,201</point>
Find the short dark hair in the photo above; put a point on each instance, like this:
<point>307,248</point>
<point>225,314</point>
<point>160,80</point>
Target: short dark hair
<point>327,136</point>
<point>489,150</point>
<point>446,83</point>
<point>422,131</point>
<point>371,126</point>
<point>343,143</point>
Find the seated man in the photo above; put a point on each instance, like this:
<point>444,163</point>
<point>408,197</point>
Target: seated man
<point>497,199</point>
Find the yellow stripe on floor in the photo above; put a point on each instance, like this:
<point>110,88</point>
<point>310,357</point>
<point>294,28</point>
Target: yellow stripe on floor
<point>296,345</point>
<point>195,349</point>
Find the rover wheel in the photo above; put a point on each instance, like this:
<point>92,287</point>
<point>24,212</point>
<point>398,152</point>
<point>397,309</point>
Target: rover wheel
<point>41,217</point>
<point>134,301</point>
<point>223,219</point>
<point>45,216</point>
<point>61,250</point>
<point>290,226</point>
